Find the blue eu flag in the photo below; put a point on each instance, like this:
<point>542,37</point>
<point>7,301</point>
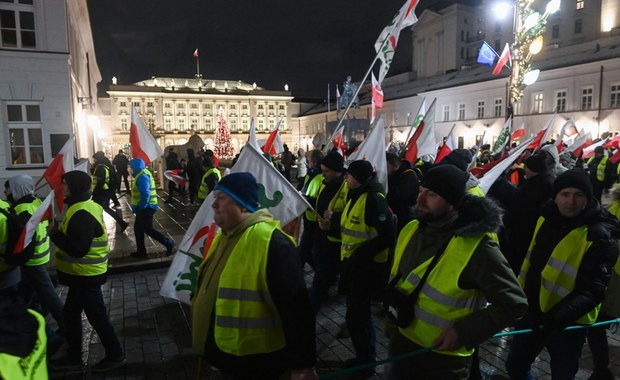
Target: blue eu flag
<point>486,55</point>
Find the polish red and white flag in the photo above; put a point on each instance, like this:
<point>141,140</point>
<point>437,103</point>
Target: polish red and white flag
<point>447,147</point>
<point>195,53</point>
<point>143,144</point>
<point>43,213</point>
<point>504,58</point>
<point>61,164</point>
<point>519,132</point>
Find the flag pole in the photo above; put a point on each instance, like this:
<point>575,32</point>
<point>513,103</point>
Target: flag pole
<point>197,67</point>
<point>416,118</point>
<point>357,91</point>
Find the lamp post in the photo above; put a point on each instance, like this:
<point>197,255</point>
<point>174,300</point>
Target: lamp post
<point>528,28</point>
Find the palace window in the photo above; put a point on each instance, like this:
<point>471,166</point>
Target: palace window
<point>25,134</point>
<point>586,98</point>
<point>497,107</point>
<point>614,96</point>
<point>446,112</point>
<point>560,101</point>
<point>461,111</point>
<point>538,102</point>
<point>580,4</point>
<point>17,26</point>
<point>480,114</point>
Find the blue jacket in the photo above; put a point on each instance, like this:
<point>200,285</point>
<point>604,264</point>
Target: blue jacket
<point>142,183</point>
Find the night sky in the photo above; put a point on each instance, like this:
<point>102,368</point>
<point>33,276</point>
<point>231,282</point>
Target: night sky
<point>305,44</point>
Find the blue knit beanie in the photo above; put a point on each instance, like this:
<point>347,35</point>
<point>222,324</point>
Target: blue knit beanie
<point>241,187</point>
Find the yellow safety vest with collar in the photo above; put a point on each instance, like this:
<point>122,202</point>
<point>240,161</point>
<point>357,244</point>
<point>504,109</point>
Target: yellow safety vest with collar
<point>3,237</point>
<point>441,301</point>
<point>355,232</point>
<point>337,203</point>
<point>600,168</point>
<point>559,275</point>
<point>33,366</point>
<point>204,188</point>
<point>106,183</point>
<point>247,321</point>
<point>135,194</point>
<point>312,191</point>
<point>476,190</point>
<point>41,240</point>
<point>95,262</point>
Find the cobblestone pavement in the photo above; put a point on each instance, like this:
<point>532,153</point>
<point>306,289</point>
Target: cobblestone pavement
<point>155,331</point>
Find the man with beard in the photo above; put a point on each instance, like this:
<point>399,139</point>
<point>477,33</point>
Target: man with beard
<point>450,285</point>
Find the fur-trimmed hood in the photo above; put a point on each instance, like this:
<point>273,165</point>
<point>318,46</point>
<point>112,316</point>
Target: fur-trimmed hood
<point>477,215</point>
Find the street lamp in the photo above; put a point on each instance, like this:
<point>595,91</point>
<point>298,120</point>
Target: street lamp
<point>529,26</point>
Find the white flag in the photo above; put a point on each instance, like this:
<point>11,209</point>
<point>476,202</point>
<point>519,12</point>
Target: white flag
<point>489,178</point>
<point>275,193</point>
<point>372,149</point>
<point>252,135</point>
<point>31,226</point>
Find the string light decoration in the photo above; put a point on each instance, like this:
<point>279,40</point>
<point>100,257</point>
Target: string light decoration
<point>529,26</point>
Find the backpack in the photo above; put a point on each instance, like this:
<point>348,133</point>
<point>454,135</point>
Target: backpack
<point>15,224</point>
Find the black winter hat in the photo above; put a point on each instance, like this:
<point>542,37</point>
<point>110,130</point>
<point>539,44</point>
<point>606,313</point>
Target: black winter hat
<point>361,170</point>
<point>461,158</point>
<point>242,187</point>
<point>576,178</point>
<point>537,163</point>
<point>77,181</point>
<point>333,161</point>
<point>446,180</point>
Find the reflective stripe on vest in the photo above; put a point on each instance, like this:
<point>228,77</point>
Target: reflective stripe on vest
<point>247,322</point>
<point>355,231</point>
<point>204,188</point>
<point>312,191</point>
<point>135,193</point>
<point>95,262</point>
<point>31,367</point>
<point>106,180</point>
<point>559,275</point>
<point>41,240</point>
<point>441,301</point>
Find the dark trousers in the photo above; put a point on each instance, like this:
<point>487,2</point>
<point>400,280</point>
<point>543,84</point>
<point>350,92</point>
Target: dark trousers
<point>36,281</point>
<point>326,268</point>
<point>428,365</point>
<point>597,340</point>
<point>172,187</point>
<point>306,242</point>
<point>362,279</point>
<point>124,177</point>
<point>144,225</point>
<point>564,349</point>
<point>103,199</point>
<point>192,189</point>
<point>90,300</point>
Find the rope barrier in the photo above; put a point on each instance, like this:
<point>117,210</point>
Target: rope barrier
<point>348,371</point>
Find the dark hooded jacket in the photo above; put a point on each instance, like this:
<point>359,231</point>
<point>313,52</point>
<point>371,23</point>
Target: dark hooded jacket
<point>487,270</point>
<point>594,272</point>
<point>82,229</point>
<point>18,328</point>
<point>403,189</point>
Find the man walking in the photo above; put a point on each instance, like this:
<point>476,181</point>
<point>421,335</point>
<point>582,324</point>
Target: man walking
<point>565,273</point>
<point>251,315</point>
<point>82,261</point>
<point>144,205</point>
<point>102,188</point>
<point>121,162</point>
<point>367,236</point>
<point>446,268</point>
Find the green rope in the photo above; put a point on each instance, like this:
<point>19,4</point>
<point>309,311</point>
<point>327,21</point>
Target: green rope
<point>348,371</point>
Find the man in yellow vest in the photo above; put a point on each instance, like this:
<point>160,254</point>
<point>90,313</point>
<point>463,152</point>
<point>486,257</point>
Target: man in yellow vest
<point>368,233</point>
<point>35,277</point>
<point>144,206</point>
<point>211,177</point>
<point>251,315</point>
<point>446,269</point>
<point>601,172</point>
<point>22,337</point>
<point>82,262</point>
<point>310,189</point>
<point>329,205</point>
<point>103,187</point>
<point>565,273</point>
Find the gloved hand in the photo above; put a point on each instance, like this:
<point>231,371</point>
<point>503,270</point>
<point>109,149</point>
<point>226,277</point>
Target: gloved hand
<point>544,325</point>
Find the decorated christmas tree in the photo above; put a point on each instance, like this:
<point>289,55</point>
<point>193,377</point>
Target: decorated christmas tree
<point>223,147</point>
